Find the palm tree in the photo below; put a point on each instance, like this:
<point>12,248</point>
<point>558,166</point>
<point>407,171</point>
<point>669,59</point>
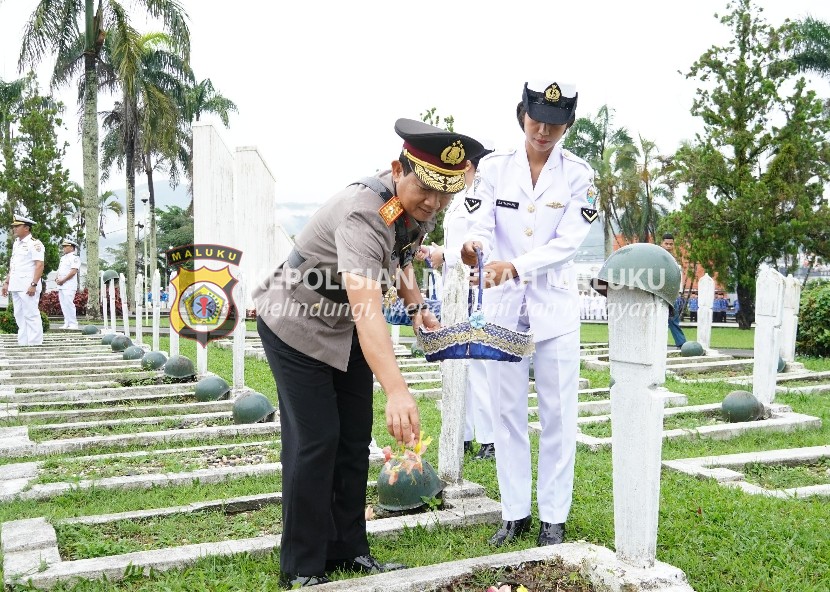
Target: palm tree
<point>610,151</point>
<point>107,204</point>
<point>152,76</point>
<point>55,28</point>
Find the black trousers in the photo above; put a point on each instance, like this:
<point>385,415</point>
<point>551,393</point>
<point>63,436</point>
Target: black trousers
<point>325,428</point>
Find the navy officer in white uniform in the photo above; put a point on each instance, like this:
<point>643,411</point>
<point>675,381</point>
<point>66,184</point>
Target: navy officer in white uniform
<point>67,281</point>
<point>23,281</point>
<point>534,208</point>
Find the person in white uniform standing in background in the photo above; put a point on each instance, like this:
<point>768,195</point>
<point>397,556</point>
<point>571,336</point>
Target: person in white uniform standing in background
<point>533,209</point>
<point>23,281</point>
<point>478,422</point>
<point>67,281</point>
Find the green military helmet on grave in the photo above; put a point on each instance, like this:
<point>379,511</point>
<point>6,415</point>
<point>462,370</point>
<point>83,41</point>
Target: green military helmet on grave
<point>740,406</point>
<point>133,352</point>
<point>179,367</point>
<point>252,407</point>
<point>120,342</point>
<point>407,491</point>
<point>782,364</point>
<point>110,274</point>
<point>691,349</point>
<point>645,266</point>
<point>90,330</point>
<point>212,388</point>
<point>153,360</point>
<point>107,338</point>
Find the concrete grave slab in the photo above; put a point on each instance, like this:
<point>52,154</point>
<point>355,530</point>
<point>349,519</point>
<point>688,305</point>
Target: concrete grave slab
<point>725,469</point>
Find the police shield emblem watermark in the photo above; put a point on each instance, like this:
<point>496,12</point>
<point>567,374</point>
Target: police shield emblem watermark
<point>204,307</point>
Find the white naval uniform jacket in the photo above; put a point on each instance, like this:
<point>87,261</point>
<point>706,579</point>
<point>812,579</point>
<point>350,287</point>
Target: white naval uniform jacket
<point>25,252</point>
<point>68,262</point>
<point>537,229</point>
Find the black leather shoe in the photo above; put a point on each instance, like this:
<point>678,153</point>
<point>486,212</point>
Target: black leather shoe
<point>510,529</point>
<point>292,581</point>
<point>550,534</point>
<point>486,451</point>
<point>468,446</point>
<point>365,564</point>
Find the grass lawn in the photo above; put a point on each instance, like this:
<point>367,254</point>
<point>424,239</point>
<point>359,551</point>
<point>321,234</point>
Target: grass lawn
<point>723,539</point>
<point>722,337</point>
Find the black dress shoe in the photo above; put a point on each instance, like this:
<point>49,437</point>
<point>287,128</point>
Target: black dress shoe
<point>291,581</point>
<point>486,451</point>
<point>550,534</point>
<point>365,564</point>
<point>468,446</point>
<point>510,529</point>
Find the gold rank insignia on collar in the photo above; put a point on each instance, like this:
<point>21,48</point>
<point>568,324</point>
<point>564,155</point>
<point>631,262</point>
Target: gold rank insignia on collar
<point>555,205</point>
<point>391,211</point>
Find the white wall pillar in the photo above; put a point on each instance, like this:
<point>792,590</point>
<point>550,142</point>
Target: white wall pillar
<point>705,300</point>
<point>453,380</point>
<point>636,419</point>
<point>103,293</point>
<point>769,296</point>
<point>789,317</point>
<point>113,311</point>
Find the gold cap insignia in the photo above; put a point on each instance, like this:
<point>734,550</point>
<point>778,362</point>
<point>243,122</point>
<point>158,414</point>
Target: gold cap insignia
<point>454,153</point>
<point>553,93</point>
<point>391,211</point>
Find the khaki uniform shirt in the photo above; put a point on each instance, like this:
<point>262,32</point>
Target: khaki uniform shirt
<point>25,252</point>
<point>347,234</point>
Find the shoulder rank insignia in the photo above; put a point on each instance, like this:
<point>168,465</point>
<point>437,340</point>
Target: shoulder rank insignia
<point>555,205</point>
<point>472,204</point>
<point>38,246</point>
<point>391,211</point>
<point>589,214</point>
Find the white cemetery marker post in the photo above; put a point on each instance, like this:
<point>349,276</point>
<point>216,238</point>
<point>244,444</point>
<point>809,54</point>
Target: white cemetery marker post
<point>453,380</point>
<point>103,293</point>
<point>139,308</point>
<point>113,311</point>
<point>239,337</point>
<point>156,310</point>
<point>396,335</point>
<point>636,316</point>
<point>125,306</point>
<point>789,318</point>
<point>174,337</point>
<point>705,300</point>
<point>769,295</point>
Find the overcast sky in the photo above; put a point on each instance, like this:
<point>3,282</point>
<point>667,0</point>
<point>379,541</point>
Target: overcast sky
<point>320,84</point>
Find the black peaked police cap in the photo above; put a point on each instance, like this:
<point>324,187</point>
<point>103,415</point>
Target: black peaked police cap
<point>438,157</point>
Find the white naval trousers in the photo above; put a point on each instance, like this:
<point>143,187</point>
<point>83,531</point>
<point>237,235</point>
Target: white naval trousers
<point>27,315</point>
<point>557,381</point>
<point>67,300</point>
<point>478,415</point>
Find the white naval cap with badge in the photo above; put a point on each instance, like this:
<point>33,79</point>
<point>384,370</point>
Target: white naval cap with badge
<point>68,242</point>
<point>21,220</point>
<point>555,103</point>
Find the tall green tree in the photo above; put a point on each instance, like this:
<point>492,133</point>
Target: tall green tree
<point>75,32</point>
<point>11,99</point>
<point>643,194</point>
<point>612,154</point>
<point>33,176</point>
<point>755,174</point>
<point>812,46</point>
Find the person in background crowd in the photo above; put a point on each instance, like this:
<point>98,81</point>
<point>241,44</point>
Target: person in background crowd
<point>674,315</point>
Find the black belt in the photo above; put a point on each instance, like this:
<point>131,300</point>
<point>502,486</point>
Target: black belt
<point>338,294</point>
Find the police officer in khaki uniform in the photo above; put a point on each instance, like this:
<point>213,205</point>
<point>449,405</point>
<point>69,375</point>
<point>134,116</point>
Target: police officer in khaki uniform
<point>320,320</point>
<point>67,281</point>
<point>533,208</point>
<point>23,281</point>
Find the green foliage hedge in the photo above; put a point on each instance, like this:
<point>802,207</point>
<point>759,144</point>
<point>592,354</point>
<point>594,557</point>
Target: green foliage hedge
<point>9,325</point>
<point>814,320</point>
